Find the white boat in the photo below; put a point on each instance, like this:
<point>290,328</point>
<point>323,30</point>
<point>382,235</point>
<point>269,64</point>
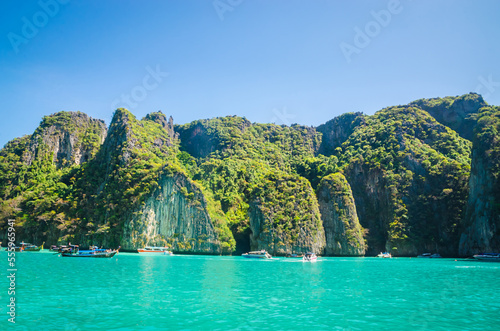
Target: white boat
<point>385,255</point>
<point>489,257</point>
<point>155,250</point>
<point>430,256</point>
<point>257,255</point>
<point>310,257</point>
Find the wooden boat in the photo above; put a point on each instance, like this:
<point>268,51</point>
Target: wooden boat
<point>310,257</point>
<point>488,257</point>
<point>55,248</point>
<point>257,255</point>
<point>94,252</point>
<point>31,248</point>
<point>155,250</point>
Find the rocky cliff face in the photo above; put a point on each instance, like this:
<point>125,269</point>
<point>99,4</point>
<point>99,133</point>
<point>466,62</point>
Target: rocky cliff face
<point>176,215</point>
<point>203,137</point>
<point>409,182</point>
<point>336,131</point>
<point>482,219</point>
<point>372,196</point>
<point>284,217</point>
<point>343,233</point>
<point>454,112</point>
<point>72,137</point>
<point>408,172</point>
<point>160,118</point>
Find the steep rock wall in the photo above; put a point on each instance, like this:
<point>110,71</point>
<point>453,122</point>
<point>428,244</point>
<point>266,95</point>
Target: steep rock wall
<point>482,219</point>
<point>284,217</point>
<point>343,233</point>
<point>175,215</point>
<point>72,137</point>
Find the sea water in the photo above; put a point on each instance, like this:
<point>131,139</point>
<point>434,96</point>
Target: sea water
<point>137,292</point>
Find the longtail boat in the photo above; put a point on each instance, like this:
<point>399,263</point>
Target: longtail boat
<point>31,248</point>
<point>93,252</point>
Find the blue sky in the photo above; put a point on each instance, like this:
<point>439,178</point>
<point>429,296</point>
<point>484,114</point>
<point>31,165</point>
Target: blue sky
<point>282,61</point>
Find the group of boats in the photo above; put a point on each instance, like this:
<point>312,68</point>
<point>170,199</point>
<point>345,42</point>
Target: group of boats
<point>96,252</point>
<point>93,251</point>
<point>263,254</point>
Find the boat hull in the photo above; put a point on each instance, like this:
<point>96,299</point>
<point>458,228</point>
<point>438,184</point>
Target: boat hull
<point>96,255</point>
<point>149,252</point>
<point>486,258</point>
<point>255,256</point>
<point>313,259</point>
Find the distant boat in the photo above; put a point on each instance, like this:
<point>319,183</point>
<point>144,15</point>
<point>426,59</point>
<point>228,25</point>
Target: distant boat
<point>385,255</point>
<point>155,250</point>
<point>430,256</point>
<point>94,252</point>
<point>27,247</point>
<point>295,256</point>
<point>310,257</point>
<point>488,257</point>
<point>56,248</point>
<point>257,255</point>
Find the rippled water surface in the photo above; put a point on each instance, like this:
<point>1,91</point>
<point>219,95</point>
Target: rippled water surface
<point>135,292</point>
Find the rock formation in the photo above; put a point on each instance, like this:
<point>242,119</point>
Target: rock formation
<point>343,233</point>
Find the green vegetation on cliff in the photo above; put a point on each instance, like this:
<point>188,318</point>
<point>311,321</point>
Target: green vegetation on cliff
<point>419,169</point>
<point>404,172</point>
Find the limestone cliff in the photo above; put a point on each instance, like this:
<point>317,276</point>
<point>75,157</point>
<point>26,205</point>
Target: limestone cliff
<point>343,233</point>
<point>336,131</point>
<point>409,176</point>
<point>72,137</point>
<point>135,193</point>
<point>284,216</point>
<point>454,112</point>
<point>482,219</point>
<point>176,215</point>
<point>203,137</point>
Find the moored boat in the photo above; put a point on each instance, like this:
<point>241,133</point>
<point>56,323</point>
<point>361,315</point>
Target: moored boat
<point>93,252</point>
<point>488,257</point>
<point>385,255</point>
<point>310,257</point>
<point>295,256</point>
<point>257,255</point>
<point>430,256</point>
<point>155,250</point>
<point>30,247</point>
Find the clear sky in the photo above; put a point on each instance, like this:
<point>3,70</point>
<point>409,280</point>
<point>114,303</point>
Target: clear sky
<point>282,61</point>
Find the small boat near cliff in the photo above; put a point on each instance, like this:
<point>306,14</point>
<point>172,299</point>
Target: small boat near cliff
<point>385,255</point>
<point>27,247</point>
<point>295,256</point>
<point>93,252</point>
<point>31,248</point>
<point>257,255</point>
<point>155,250</point>
<point>430,256</point>
<point>488,257</point>
<point>310,257</point>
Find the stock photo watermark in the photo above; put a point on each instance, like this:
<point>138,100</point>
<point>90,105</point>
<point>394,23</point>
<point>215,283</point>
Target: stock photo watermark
<point>138,93</point>
<point>11,271</point>
<point>223,6</point>
<point>282,117</point>
<point>487,84</point>
<point>31,26</point>
<point>363,37</point>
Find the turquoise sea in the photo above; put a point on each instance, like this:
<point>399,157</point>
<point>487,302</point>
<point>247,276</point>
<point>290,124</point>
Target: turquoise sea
<point>135,292</point>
